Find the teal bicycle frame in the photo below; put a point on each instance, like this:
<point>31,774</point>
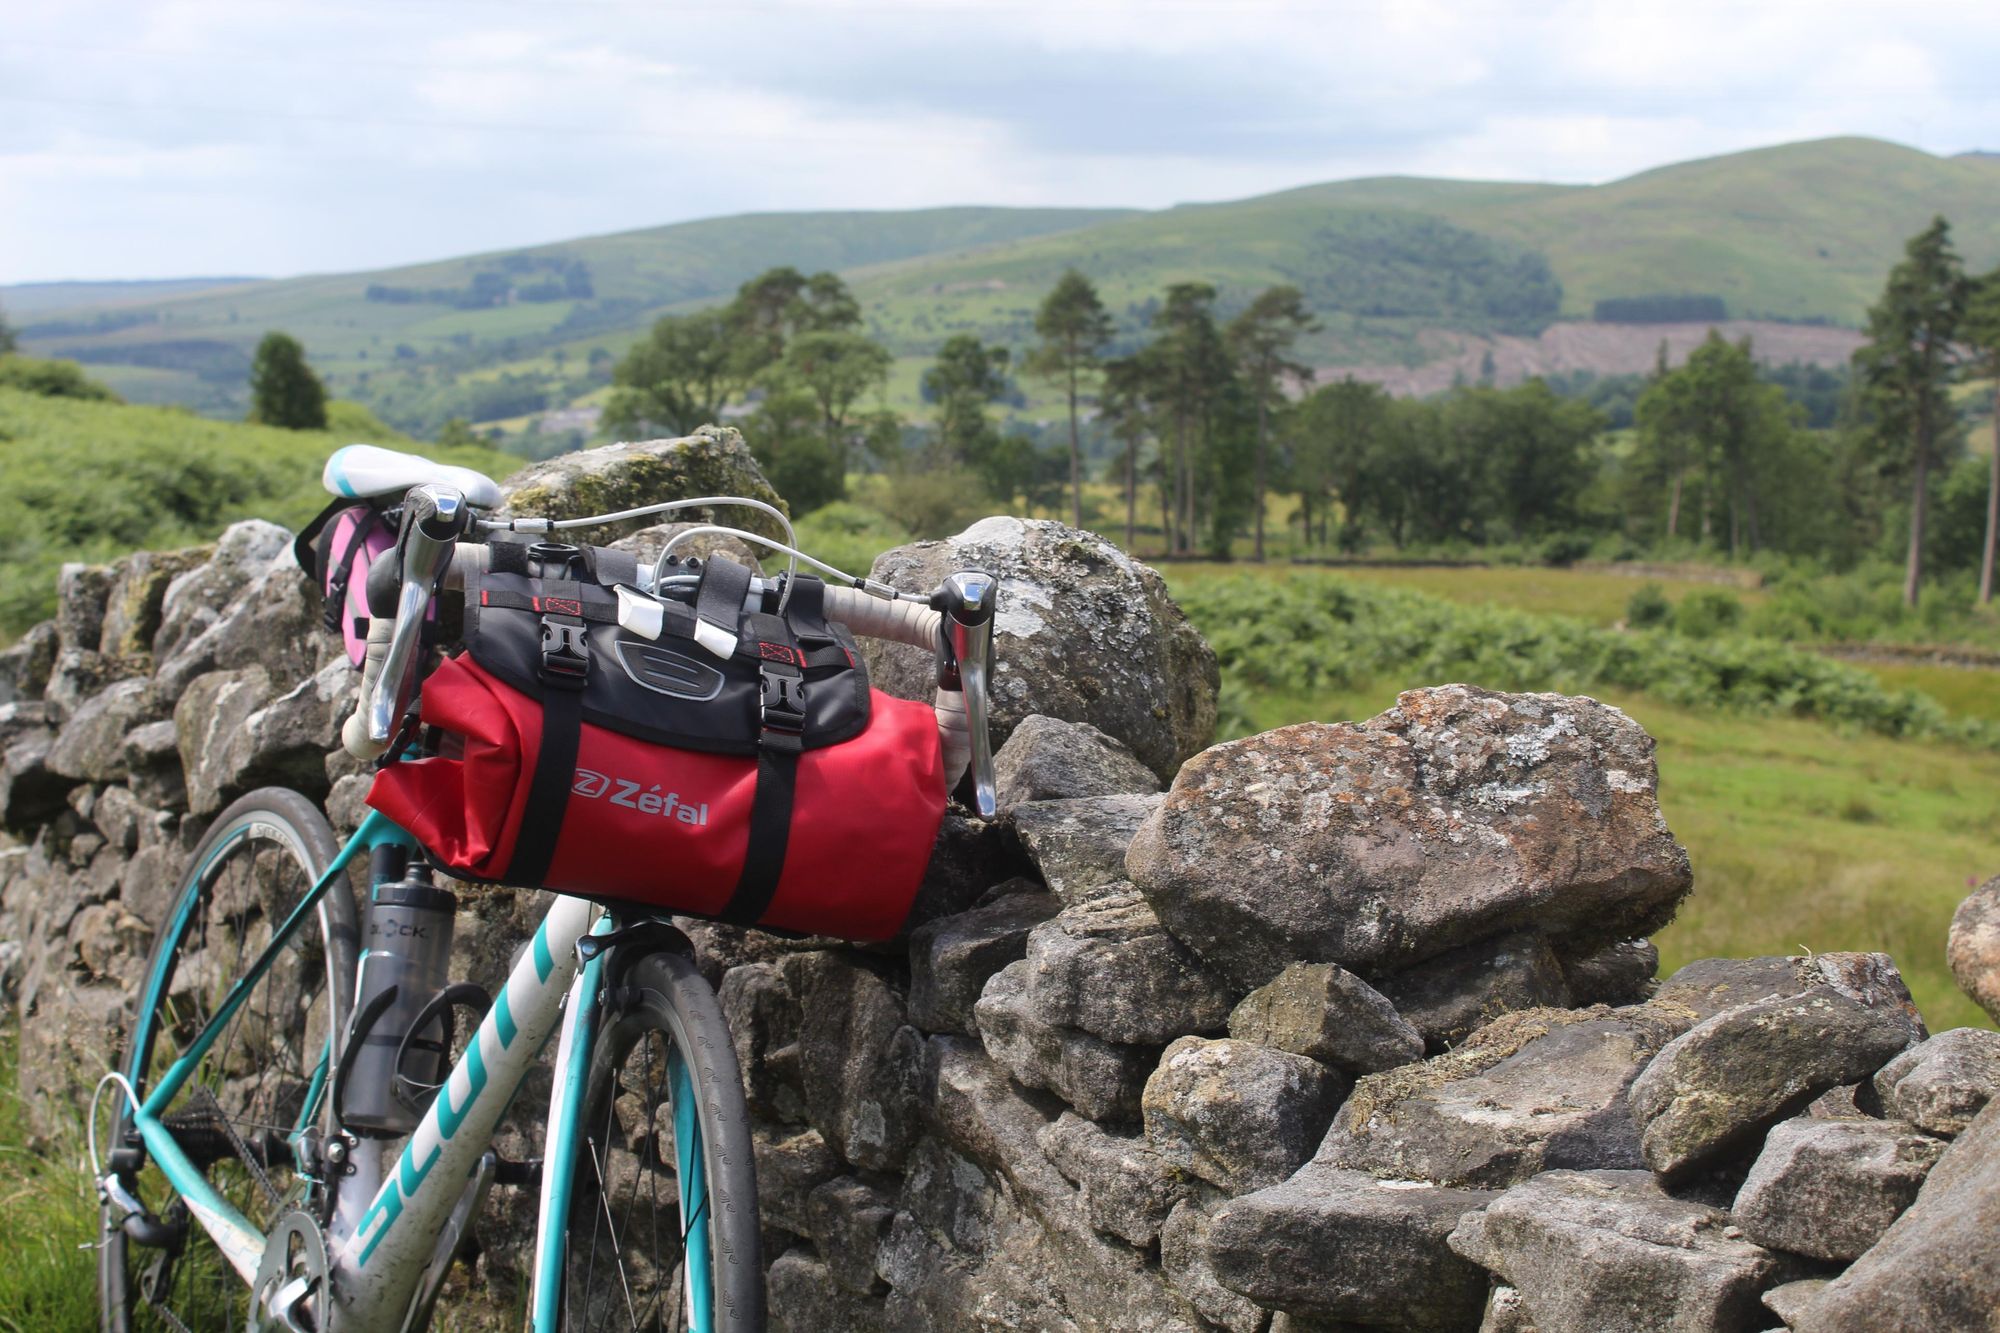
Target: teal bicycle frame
<point>384,1241</point>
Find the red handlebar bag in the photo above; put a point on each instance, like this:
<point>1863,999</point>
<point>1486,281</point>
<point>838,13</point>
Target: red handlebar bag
<point>755,779</point>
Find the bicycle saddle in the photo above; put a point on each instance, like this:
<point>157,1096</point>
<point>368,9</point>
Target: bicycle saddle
<point>364,471</point>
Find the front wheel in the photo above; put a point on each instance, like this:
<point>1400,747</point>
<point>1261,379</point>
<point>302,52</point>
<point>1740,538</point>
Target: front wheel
<point>662,1228</point>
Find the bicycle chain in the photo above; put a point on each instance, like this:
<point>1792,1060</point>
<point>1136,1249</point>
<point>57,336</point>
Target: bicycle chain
<point>220,1118</point>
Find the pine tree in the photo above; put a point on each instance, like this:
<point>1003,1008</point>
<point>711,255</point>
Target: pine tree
<point>283,389</point>
<point>1981,333</point>
<point>1074,326</point>
<point>1905,366</point>
<point>1261,339</point>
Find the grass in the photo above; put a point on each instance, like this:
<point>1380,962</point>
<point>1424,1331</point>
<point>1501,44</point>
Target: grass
<point>47,1210</point>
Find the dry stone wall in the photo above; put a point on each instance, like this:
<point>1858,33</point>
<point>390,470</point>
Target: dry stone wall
<point>1351,1026</point>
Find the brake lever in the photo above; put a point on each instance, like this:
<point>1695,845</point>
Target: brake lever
<point>434,518</point>
<point>965,602</point>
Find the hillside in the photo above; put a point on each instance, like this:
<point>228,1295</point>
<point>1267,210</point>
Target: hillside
<point>157,478</point>
<point>1402,272</point>
<point>196,349</point>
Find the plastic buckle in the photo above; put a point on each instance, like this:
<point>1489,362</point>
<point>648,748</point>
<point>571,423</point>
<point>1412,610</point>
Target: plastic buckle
<point>781,701</point>
<point>565,655</point>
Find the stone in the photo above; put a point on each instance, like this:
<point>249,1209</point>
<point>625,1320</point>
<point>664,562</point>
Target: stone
<point>1941,1084</point>
<point>1124,1187</point>
<point>1049,759</point>
<point>1869,979</point>
<point>91,745</point>
<point>805,1297</point>
<point>1790,1300</point>
<point>1714,1090</point>
<point>25,667</point>
<point>132,610</point>
<point>969,858</point>
<point>1184,1260</point>
<point>763,1018</point>
<point>790,1166</point>
<point>78,674</point>
<point>1328,1014</point>
<point>1828,1189</point>
<point>1083,633</point>
<point>1332,1244</point>
<point>1973,949</point>
<point>1108,968</point>
<point>1708,986</point>
<point>272,619</point>
<point>1619,973</point>
<point>710,461</point>
<point>211,712</point>
<point>1595,1250</point>
<point>1448,997</point>
<point>859,1061</point>
<point>848,1218</point>
<point>81,592</point>
<point>1079,846</point>
<point>952,958</point>
<point>1239,1116</point>
<point>1101,1079</point>
<point>1531,1092</point>
<point>647,543</point>
<point>197,598</point>
<point>1938,1265</point>
<point>1456,815</point>
<point>1506,1312</point>
<point>347,802</point>
<point>30,791</point>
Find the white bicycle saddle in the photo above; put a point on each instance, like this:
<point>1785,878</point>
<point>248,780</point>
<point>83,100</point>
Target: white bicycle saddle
<point>364,471</point>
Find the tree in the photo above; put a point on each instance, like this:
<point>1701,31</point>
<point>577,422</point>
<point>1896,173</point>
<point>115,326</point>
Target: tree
<point>1074,326</point>
<point>836,368</point>
<point>1715,415</point>
<point>283,389</point>
<point>968,375</point>
<point>1127,407</point>
<point>781,303</point>
<point>7,340</point>
<point>785,436</point>
<point>1981,332</point>
<point>1340,437</point>
<point>1261,339</point>
<point>679,376</point>
<point>1194,370</point>
<point>1905,366</point>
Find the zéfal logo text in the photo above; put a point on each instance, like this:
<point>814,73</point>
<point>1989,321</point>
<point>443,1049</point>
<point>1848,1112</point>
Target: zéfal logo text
<point>631,795</point>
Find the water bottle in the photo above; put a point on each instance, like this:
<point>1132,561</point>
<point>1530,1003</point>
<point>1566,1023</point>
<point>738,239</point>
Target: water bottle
<point>406,945</point>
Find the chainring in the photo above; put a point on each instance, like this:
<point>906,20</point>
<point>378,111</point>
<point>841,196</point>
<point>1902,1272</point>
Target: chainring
<point>295,1252</point>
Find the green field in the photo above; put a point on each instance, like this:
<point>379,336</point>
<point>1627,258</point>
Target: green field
<point>1797,232</point>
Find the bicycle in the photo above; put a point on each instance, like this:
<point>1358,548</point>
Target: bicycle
<point>238,1158</point>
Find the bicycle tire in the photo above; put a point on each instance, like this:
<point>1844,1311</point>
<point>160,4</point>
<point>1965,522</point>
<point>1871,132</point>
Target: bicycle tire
<point>661,1010</point>
<point>289,845</point>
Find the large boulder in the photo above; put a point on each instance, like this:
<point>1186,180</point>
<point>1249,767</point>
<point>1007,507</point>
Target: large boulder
<point>859,1061</point>
<point>614,477</point>
<point>1458,814</point>
<point>1974,946</point>
<point>1079,845</point>
<point>1938,1266</point>
<point>1083,633</point>
<point>1123,1186</point>
<point>133,609</point>
<point>1449,997</point>
<point>1828,1189</point>
<point>25,667</point>
<point>1596,1250</point>
<point>1184,1259</point>
<point>1343,1245</point>
<point>199,596</point>
<point>952,958</point>
<point>1532,1091</point>
<point>1101,1079</point>
<point>1716,1088</point>
<point>91,744</point>
<point>1239,1116</point>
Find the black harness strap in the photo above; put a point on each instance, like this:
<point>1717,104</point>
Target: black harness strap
<point>782,720</point>
<point>565,670</point>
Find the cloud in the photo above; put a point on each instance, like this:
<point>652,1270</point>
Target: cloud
<point>155,139</point>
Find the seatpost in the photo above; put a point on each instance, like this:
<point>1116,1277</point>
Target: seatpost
<point>434,518</point>
<point>965,603</point>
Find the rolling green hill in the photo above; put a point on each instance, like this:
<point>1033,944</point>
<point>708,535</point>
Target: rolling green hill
<point>1393,265</point>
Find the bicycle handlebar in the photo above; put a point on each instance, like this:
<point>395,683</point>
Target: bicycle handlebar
<point>957,627</point>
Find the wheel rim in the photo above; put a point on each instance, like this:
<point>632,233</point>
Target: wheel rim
<point>262,1079</point>
<point>633,1266</point>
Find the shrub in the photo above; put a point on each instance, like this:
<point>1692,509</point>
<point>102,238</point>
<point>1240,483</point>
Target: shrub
<point>1565,549</point>
<point>1648,608</point>
<point>1707,612</point>
<point>51,379</point>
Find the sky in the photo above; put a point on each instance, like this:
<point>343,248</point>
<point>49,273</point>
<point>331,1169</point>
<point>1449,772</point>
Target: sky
<point>277,137</point>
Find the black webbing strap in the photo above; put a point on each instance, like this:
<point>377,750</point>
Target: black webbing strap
<point>780,736</point>
<point>597,612</point>
<point>719,597</point>
<point>340,570</point>
<point>565,669</point>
